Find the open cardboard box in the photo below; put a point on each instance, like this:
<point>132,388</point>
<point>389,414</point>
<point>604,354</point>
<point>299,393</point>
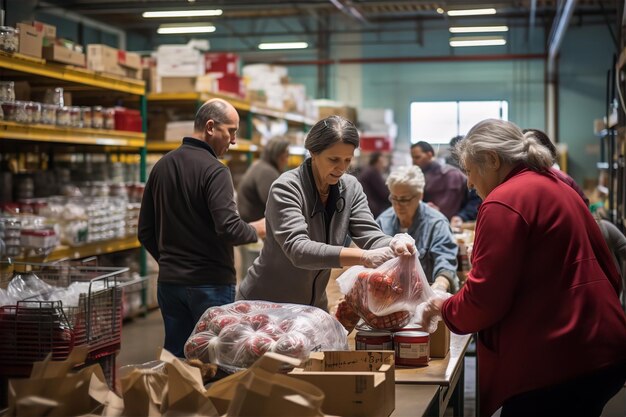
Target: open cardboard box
<point>355,383</point>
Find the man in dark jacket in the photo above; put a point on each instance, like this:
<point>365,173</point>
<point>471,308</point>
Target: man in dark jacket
<point>371,178</point>
<point>189,223</point>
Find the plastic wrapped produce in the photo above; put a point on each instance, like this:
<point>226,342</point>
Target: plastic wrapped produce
<point>235,335</point>
<point>386,298</point>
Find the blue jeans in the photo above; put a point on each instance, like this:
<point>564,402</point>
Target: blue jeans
<point>182,306</point>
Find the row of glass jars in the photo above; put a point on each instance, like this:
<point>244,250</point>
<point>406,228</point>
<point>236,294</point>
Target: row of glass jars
<point>30,112</point>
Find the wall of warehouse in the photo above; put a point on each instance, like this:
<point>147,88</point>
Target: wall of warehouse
<point>586,56</point>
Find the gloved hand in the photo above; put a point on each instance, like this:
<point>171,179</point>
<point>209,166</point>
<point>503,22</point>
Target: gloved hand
<point>375,257</point>
<point>429,313</point>
<point>402,244</point>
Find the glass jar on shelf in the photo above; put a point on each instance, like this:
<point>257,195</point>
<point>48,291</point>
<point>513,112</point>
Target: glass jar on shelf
<point>7,91</point>
<point>20,112</point>
<point>85,116</point>
<point>75,119</point>
<point>33,112</point>
<point>9,110</point>
<point>97,117</point>
<point>55,96</point>
<point>63,116</point>
<point>49,114</point>
<point>109,118</point>
<point>9,39</point>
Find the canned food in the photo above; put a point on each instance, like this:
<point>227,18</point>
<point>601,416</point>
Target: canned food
<point>374,340</point>
<point>63,116</point>
<point>412,348</point>
<point>97,117</point>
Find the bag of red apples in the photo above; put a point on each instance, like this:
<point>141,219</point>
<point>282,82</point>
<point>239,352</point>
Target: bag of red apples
<point>386,297</point>
<point>234,336</point>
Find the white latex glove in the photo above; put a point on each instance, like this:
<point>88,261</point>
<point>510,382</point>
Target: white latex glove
<point>428,313</point>
<point>375,257</point>
<point>402,244</point>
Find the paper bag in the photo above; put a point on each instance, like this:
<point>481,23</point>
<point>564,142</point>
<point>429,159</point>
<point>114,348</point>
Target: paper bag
<point>53,390</point>
<point>262,391</point>
<point>174,388</point>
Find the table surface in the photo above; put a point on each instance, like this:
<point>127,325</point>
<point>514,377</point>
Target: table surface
<point>440,371</point>
<point>414,400</point>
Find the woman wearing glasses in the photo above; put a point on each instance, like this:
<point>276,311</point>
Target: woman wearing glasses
<point>310,212</point>
<point>429,227</point>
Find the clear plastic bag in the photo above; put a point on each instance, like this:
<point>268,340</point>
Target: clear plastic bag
<point>26,285</point>
<point>235,335</point>
<point>386,297</point>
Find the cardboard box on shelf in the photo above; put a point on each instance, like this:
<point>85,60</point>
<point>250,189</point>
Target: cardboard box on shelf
<point>30,40</point>
<point>231,84</point>
<point>376,116</point>
<point>380,143</point>
<point>47,30</point>
<point>226,63</point>
<point>130,63</point>
<point>103,58</point>
<point>57,53</point>
<point>175,131</point>
<point>355,383</point>
<point>179,61</point>
<point>175,84</point>
<point>347,112</point>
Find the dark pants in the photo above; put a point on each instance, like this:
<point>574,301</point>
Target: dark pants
<point>584,396</point>
<point>182,306</point>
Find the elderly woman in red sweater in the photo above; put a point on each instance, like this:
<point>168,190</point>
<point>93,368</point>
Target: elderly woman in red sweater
<point>543,290</point>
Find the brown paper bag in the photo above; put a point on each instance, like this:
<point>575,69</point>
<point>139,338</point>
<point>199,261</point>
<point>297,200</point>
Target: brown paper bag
<point>52,390</point>
<point>262,391</point>
<point>176,390</point>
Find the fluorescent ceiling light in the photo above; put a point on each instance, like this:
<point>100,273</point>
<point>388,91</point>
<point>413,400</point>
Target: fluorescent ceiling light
<point>175,30</point>
<point>476,29</point>
<point>183,13</point>
<point>471,12</point>
<point>283,45</point>
<point>477,41</point>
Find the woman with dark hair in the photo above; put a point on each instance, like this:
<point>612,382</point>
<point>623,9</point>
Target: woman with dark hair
<point>543,290</point>
<point>310,212</point>
<point>256,182</point>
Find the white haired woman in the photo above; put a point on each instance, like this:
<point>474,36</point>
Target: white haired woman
<point>429,227</point>
<point>543,290</point>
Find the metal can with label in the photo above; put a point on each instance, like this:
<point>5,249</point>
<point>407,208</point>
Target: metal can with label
<point>412,348</point>
<point>374,340</point>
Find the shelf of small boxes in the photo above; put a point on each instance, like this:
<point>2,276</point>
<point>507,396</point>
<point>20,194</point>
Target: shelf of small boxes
<point>87,250</point>
<point>39,67</point>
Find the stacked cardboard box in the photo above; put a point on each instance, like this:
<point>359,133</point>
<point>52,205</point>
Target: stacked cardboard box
<point>378,130</point>
<point>109,60</point>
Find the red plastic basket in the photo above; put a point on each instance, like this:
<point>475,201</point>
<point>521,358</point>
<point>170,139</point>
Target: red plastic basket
<point>31,330</point>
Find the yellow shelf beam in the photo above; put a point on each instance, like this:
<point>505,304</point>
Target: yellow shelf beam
<point>40,67</point>
<point>46,133</point>
<point>239,103</point>
<point>87,250</point>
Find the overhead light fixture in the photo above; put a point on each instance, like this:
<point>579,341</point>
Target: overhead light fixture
<point>440,10</point>
<point>471,12</point>
<point>283,45</point>
<point>477,41</point>
<point>182,13</point>
<point>477,29</point>
<point>191,28</point>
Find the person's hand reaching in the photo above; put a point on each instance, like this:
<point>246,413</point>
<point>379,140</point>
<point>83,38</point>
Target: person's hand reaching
<point>402,244</point>
<point>373,258</point>
<point>259,226</point>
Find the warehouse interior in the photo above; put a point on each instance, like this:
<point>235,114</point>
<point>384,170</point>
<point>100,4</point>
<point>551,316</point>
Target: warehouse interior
<point>398,69</point>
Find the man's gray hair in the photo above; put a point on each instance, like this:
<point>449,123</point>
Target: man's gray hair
<point>215,110</point>
<point>412,177</point>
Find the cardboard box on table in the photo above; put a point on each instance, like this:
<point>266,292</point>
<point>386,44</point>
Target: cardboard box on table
<point>355,383</point>
<point>440,341</point>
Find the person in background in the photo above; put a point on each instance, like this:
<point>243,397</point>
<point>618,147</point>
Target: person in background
<point>310,212</point>
<point>543,289</point>
<point>256,182</point>
<point>433,238</point>
<point>545,141</point>
<point>446,186</point>
<point>188,222</point>
<point>373,183</point>
<point>450,157</point>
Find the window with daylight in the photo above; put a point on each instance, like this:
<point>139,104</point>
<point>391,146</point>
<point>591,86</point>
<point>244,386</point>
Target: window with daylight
<point>437,122</point>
